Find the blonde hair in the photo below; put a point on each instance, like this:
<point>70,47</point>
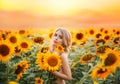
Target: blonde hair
<point>66,38</point>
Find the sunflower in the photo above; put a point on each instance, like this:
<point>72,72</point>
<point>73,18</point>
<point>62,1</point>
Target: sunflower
<point>38,40</point>
<point>91,32</point>
<point>38,81</point>
<point>40,60</point>
<point>98,35</point>
<point>52,62</point>
<point>23,32</point>
<point>107,37</point>
<point>12,82</point>
<point>117,33</point>
<point>100,42</point>
<point>106,31</point>
<point>79,36</point>
<point>13,38</point>
<point>6,50</point>
<point>100,72</point>
<point>86,58</point>
<point>116,40</point>
<point>110,59</point>
<point>25,45</point>
<point>21,68</point>
<point>101,29</point>
<point>113,30</point>
<point>59,48</point>
<point>102,49</point>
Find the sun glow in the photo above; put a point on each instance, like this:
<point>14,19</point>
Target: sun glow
<point>61,6</point>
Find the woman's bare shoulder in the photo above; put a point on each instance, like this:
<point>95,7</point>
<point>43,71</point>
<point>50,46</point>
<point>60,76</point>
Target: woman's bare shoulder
<point>64,55</point>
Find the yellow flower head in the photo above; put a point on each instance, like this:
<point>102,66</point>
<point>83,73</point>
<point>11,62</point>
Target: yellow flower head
<point>87,58</point>
<point>23,32</point>
<point>38,40</point>
<point>40,60</point>
<point>100,72</point>
<point>38,81</point>
<point>100,42</point>
<point>59,48</point>
<point>80,36</point>
<point>25,45</point>
<point>21,68</point>
<point>12,82</point>
<point>13,38</point>
<point>6,50</point>
<point>52,62</point>
<point>111,59</point>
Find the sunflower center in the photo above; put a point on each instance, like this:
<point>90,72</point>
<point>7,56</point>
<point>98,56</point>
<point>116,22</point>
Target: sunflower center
<point>107,37</point>
<point>113,30</point>
<point>91,32</point>
<point>98,35</point>
<point>21,31</point>
<point>100,41</point>
<point>100,71</point>
<point>101,29</point>
<point>39,40</point>
<point>87,57</point>
<point>19,69</point>
<point>106,31</point>
<point>116,40</point>
<point>4,50</point>
<point>39,81</point>
<point>24,45</point>
<point>117,32</point>
<point>13,39</point>
<point>60,48</point>
<point>52,61</point>
<point>110,60</point>
<point>79,36</point>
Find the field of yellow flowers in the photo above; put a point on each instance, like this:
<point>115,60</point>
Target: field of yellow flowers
<point>94,57</point>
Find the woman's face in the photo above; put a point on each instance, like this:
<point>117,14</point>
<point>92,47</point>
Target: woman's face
<point>57,38</point>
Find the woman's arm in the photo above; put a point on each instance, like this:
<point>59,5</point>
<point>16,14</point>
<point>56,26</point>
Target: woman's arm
<point>65,67</point>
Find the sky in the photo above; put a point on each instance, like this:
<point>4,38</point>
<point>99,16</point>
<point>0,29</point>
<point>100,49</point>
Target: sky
<point>62,12</point>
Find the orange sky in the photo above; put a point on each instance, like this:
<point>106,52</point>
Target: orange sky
<point>68,13</point>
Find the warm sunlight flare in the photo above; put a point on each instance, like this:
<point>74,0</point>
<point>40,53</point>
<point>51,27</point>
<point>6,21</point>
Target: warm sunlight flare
<point>59,7</point>
<point>67,13</point>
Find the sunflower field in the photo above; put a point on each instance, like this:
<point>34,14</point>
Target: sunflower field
<point>94,57</point>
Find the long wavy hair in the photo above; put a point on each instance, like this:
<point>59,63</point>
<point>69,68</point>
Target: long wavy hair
<point>66,39</point>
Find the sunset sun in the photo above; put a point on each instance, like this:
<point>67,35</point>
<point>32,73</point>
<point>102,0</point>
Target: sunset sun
<point>61,6</point>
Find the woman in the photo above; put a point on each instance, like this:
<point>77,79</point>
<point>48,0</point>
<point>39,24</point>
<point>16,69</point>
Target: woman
<point>63,37</point>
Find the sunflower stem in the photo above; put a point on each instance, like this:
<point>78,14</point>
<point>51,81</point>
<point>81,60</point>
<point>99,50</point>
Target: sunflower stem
<point>7,70</point>
<point>49,77</point>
